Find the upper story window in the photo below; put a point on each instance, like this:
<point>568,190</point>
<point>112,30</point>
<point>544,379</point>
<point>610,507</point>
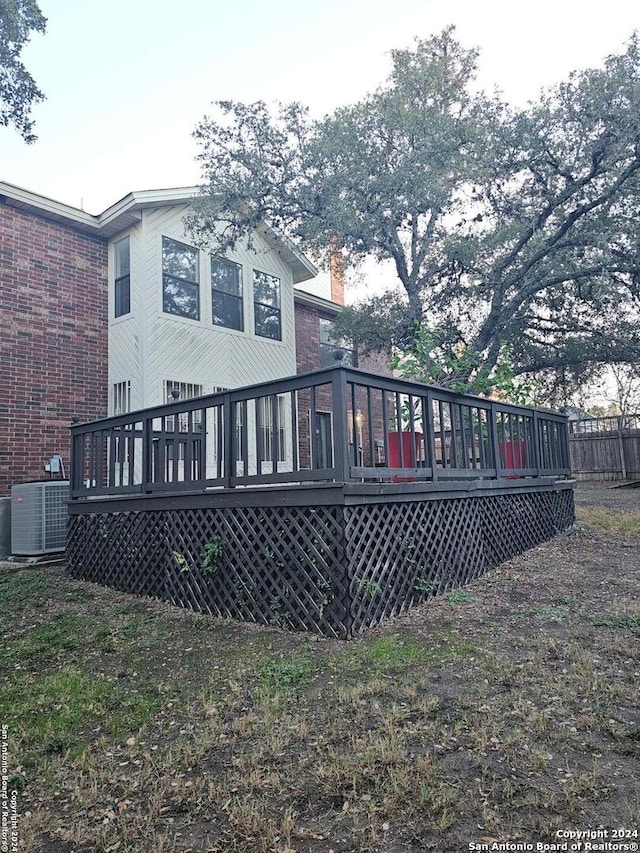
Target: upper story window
<point>180,290</point>
<point>176,390</point>
<point>122,277</point>
<point>266,299</point>
<point>226,294</point>
<point>329,343</point>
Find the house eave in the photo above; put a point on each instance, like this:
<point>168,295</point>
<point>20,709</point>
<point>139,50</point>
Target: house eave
<point>127,212</point>
<point>310,300</point>
<point>303,269</point>
<point>48,208</point>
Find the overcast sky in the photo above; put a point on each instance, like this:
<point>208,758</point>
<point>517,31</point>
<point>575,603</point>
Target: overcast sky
<point>127,80</point>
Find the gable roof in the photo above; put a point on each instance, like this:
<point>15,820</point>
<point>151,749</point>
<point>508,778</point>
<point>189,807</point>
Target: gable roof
<point>128,211</point>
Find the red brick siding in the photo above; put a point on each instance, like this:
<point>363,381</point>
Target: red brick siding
<point>53,340</point>
<point>307,338</point>
<point>308,358</point>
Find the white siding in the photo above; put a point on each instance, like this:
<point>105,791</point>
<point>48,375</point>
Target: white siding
<point>126,334</point>
<point>149,345</point>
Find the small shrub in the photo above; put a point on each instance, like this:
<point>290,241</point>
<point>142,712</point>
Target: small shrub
<point>213,554</point>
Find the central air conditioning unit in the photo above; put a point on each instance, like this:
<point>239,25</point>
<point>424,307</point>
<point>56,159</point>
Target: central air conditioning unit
<point>39,517</point>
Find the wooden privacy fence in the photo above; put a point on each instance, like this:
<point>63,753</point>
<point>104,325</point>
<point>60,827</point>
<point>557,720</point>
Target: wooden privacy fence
<point>327,501</point>
<point>605,448</point>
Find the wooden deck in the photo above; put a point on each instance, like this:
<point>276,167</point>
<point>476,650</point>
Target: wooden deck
<point>327,501</point>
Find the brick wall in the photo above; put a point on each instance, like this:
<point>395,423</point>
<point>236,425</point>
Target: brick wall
<point>308,358</point>
<point>53,340</point>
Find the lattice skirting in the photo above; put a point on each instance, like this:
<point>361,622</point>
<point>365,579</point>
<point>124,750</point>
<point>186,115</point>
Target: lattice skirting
<point>333,570</point>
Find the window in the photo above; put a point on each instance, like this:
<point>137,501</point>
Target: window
<point>122,398</point>
<point>180,291</point>
<point>220,389</point>
<point>174,392</point>
<point>329,343</point>
<point>122,276</point>
<point>267,436</point>
<point>266,298</point>
<point>226,294</point>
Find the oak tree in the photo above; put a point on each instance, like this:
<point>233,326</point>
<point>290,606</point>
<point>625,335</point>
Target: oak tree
<point>18,90</point>
<point>505,227</point>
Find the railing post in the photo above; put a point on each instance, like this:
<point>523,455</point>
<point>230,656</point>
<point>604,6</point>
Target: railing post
<point>495,447</point>
<point>228,445</point>
<point>340,426</point>
<point>566,450</point>
<point>147,453</point>
<point>536,442</point>
<point>429,437</point>
<point>74,462</point>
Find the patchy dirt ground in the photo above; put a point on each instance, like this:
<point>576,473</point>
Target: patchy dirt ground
<point>505,711</point>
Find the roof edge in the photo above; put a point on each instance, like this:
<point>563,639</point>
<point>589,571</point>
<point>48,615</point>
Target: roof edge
<point>313,301</point>
<point>124,212</point>
<point>26,199</point>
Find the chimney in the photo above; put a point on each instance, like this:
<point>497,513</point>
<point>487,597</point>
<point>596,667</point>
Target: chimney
<point>336,273</point>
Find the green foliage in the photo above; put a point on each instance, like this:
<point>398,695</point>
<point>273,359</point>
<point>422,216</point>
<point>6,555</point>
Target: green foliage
<point>459,596</point>
<point>19,587</point>
<point>52,711</point>
<point>17,782</point>
<point>434,361</point>
<point>618,620</point>
<point>181,560</point>
<point>282,676</point>
<point>213,554</point>
<point>503,226</point>
<point>423,585</point>
<point>614,521</point>
<point>368,587</point>
<point>389,653</point>
<point>18,91</point>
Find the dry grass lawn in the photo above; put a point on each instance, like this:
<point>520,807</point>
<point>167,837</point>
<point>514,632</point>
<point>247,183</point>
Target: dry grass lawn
<point>505,711</point>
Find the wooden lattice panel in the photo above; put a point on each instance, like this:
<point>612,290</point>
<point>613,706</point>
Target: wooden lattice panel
<point>123,550</point>
<point>515,522</point>
<point>278,565</point>
<point>333,570</point>
<point>281,565</point>
<point>402,553</point>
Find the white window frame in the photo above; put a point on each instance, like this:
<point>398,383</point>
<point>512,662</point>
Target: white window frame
<point>192,282</point>
<point>268,307</point>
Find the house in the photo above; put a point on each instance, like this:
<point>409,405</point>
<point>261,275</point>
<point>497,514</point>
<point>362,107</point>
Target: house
<point>102,314</point>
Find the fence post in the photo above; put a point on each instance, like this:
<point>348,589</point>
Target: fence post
<point>623,460</point>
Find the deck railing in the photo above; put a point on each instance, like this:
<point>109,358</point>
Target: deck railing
<point>336,425</point>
